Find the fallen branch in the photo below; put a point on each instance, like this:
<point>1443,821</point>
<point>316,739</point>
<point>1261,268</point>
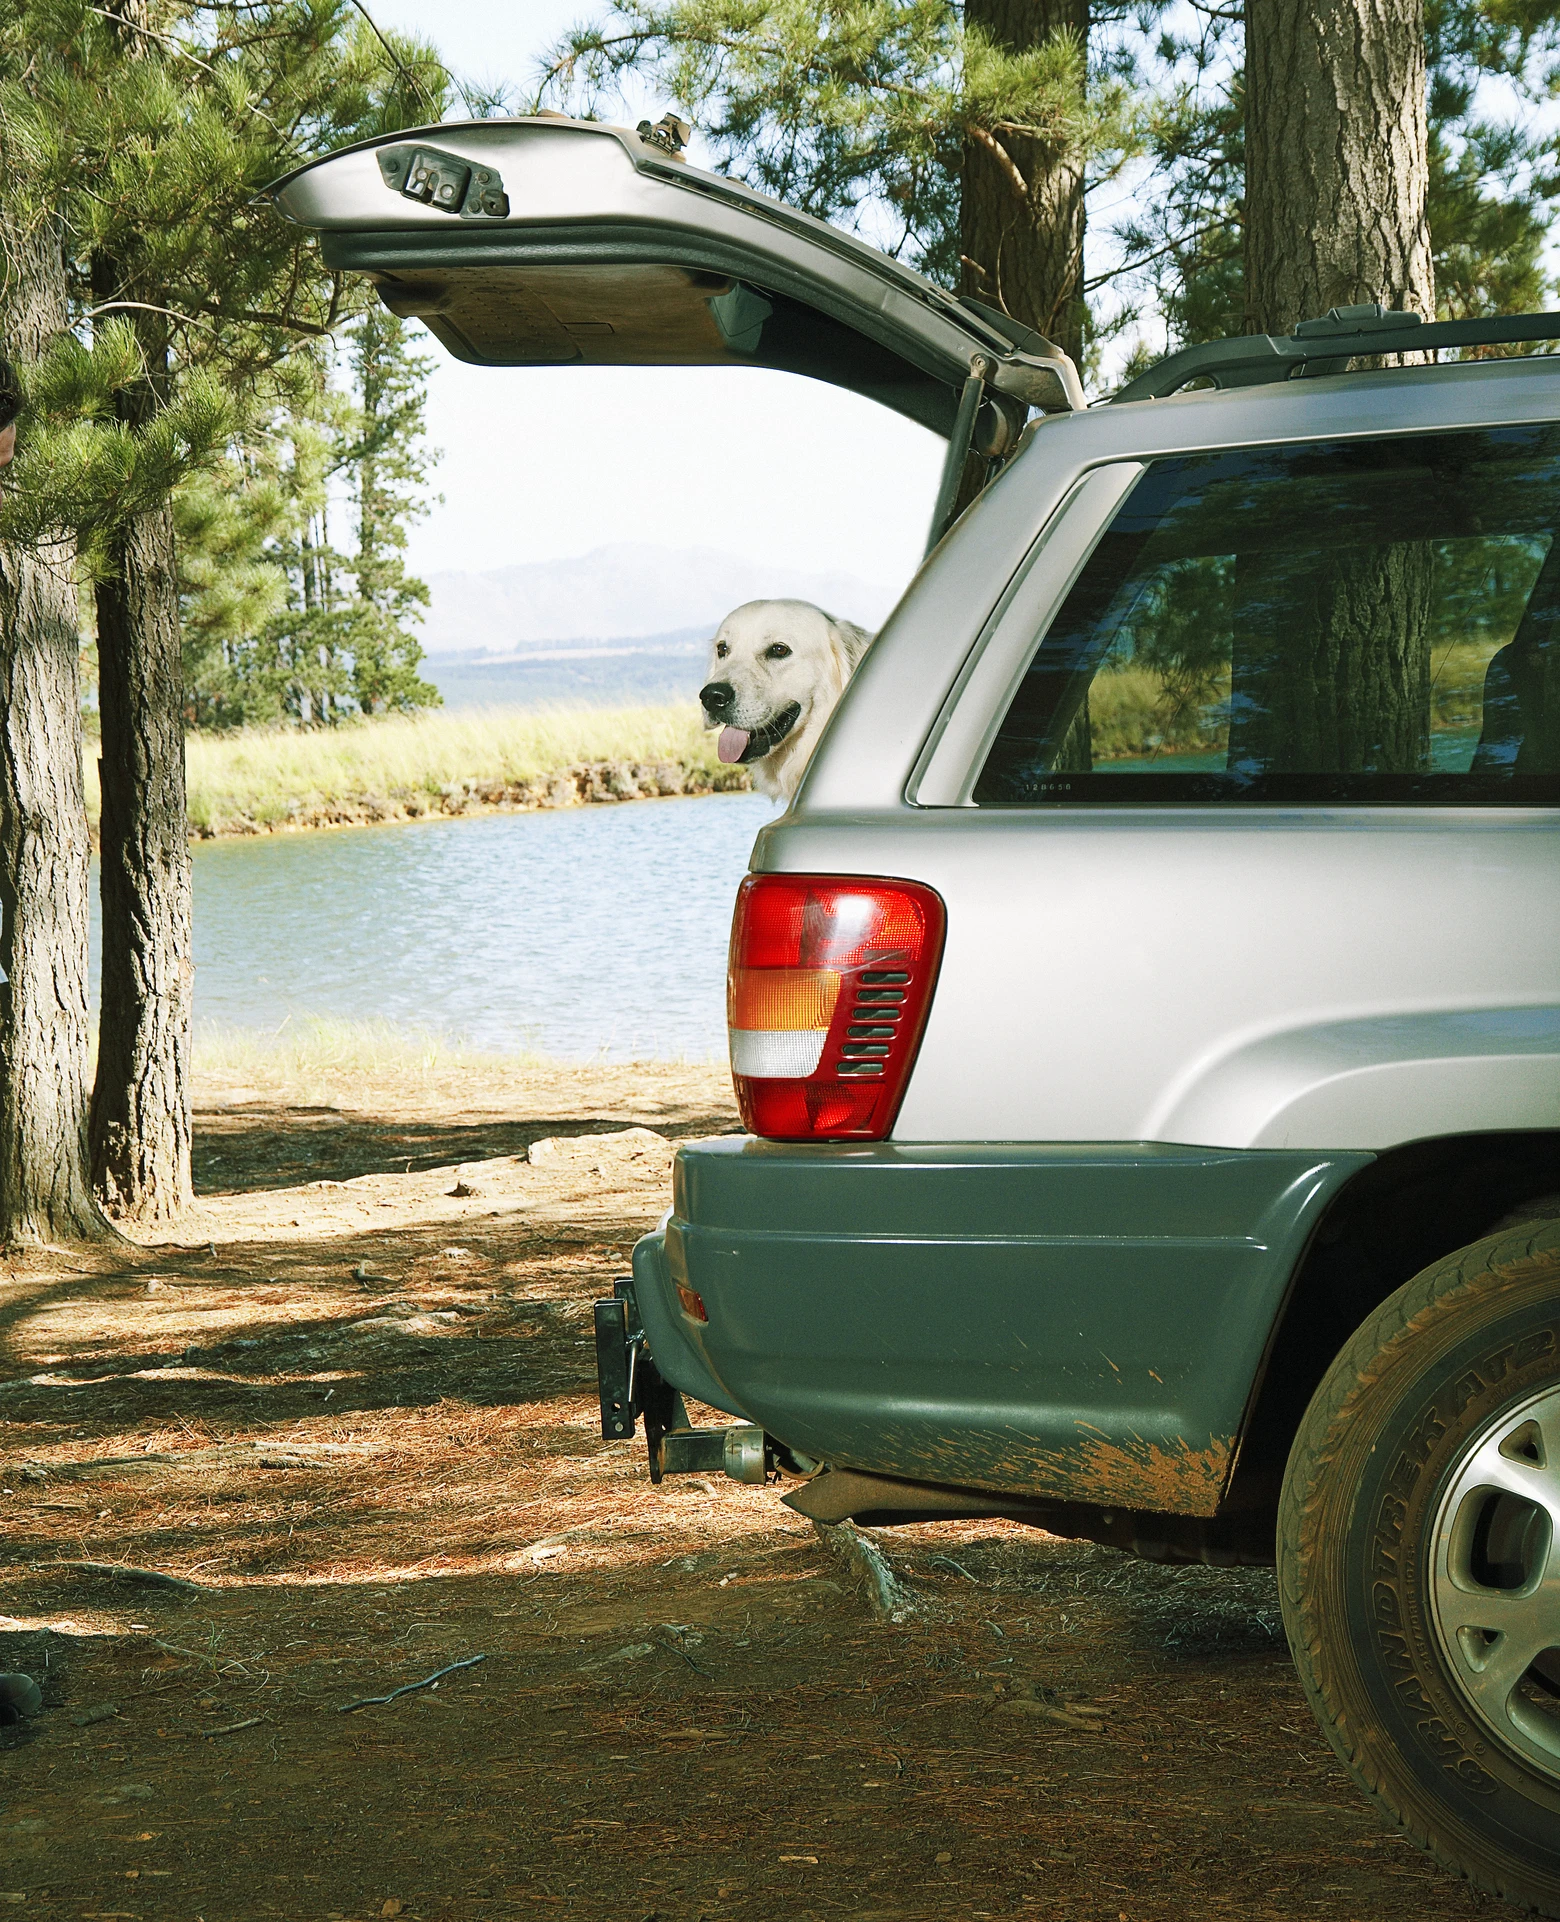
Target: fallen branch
<point>54,1248</point>
<point>222,1455</point>
<point>408,1688</point>
<point>130,1576</point>
<point>866,1562</point>
<point>947,1561</point>
<point>232,1728</point>
<point>672,1649</point>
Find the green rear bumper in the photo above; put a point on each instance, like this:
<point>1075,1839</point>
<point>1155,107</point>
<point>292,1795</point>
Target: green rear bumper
<point>1073,1323</point>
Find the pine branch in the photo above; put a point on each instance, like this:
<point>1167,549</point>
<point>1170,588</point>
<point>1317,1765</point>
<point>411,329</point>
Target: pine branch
<point>1003,159</point>
<point>1174,246</point>
<point>145,306</point>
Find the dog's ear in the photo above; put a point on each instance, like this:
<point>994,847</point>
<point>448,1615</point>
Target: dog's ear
<point>848,643</point>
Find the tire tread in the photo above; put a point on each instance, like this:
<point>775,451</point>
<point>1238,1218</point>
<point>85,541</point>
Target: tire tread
<point>1369,1354</point>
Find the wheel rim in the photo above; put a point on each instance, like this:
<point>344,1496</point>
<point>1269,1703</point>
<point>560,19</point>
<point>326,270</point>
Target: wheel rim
<point>1495,1590</point>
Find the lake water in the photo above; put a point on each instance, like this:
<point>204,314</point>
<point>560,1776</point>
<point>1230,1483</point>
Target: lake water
<point>574,932</point>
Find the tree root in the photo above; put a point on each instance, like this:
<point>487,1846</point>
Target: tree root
<point>868,1568</point>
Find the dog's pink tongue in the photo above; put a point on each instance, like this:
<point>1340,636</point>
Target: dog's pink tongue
<point>732,744</point>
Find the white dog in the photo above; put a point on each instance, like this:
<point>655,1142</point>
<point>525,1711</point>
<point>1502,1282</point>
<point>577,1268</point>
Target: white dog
<point>777,668</point>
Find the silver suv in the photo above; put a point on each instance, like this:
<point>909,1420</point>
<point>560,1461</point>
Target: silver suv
<point>1147,1016</point>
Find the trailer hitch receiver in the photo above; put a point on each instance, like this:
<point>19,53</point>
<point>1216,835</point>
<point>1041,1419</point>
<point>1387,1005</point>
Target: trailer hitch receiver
<point>632,1388</point>
<point>743,1452</point>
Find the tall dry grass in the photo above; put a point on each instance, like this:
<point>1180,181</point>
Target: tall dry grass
<point>270,774</point>
<point>267,776</point>
<point>319,1060</point>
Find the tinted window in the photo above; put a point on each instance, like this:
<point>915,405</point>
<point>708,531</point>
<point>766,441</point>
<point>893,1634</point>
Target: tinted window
<point>1325,624</point>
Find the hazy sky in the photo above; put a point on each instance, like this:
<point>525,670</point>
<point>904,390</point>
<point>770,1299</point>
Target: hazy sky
<point>540,463</point>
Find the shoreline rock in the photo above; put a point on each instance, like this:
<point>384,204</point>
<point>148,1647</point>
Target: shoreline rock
<point>584,784</point>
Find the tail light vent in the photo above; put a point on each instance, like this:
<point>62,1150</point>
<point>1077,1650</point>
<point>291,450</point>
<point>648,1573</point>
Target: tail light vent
<point>827,993</point>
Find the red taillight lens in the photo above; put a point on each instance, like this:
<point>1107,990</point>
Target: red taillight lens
<point>826,996</point>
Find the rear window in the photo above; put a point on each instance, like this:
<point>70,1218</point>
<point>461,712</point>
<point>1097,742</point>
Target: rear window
<point>1324,624</point>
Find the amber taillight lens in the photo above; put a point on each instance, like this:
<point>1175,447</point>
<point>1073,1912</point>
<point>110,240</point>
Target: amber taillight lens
<point>828,987</point>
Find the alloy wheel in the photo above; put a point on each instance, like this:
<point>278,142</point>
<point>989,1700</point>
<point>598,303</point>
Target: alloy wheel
<point>1495,1588</point>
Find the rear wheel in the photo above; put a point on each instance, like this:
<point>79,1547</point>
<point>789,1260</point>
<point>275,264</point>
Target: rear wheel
<point>1419,1561</point>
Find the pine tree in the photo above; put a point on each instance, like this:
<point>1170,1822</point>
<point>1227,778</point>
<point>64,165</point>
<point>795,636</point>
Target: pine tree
<point>1490,183</point>
<point>231,588</point>
<point>45,1169</point>
<point>1322,137</point>
<point>1021,201</point>
<point>177,116</point>
<point>74,475</point>
<point>956,138</point>
<point>141,1114</point>
<point>312,634</point>
<point>390,466</point>
<point>143,129</point>
<point>282,623</point>
<point>1336,213</point>
<point>1337,159</point>
<point>1183,244</point>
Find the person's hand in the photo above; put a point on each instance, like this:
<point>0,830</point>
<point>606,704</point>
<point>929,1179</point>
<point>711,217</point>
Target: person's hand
<point>7,443</point>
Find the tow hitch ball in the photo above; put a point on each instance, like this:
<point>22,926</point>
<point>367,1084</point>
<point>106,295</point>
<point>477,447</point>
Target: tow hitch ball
<point>632,1388</point>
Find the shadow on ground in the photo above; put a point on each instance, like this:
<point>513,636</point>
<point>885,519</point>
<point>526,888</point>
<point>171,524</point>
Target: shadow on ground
<point>241,1151</point>
<point>682,1708</point>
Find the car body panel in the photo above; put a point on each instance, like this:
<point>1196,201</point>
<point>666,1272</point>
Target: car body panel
<point>678,1358</point>
<point>612,252</point>
<point>897,699</point>
<point>1388,1077</point>
<point>1154,1005</point>
<point>1183,974</point>
<point>1074,1322</point>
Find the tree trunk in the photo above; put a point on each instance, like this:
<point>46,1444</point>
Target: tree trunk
<point>1332,665</point>
<point>1337,176</point>
<point>1022,247</point>
<point>1337,159</point>
<point>141,1105</point>
<point>45,1184</point>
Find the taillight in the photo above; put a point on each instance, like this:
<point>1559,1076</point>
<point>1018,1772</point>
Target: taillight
<point>826,996</point>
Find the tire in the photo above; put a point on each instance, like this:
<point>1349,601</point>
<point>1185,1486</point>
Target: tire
<point>1419,1561</point>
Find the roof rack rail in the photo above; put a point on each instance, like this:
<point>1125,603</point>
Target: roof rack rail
<point>1327,346</point>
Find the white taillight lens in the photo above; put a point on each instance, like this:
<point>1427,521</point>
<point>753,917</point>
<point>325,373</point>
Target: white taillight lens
<point>779,1020</point>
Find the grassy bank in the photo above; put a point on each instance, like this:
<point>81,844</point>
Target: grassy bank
<point>257,781</point>
<point>406,767</point>
<point>321,1061</point>
<point>314,1057</point>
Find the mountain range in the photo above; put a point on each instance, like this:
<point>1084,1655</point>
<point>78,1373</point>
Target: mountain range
<point>650,670</point>
<point>651,595</point>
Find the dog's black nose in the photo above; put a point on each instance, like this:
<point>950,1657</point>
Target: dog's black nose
<point>716,697</point>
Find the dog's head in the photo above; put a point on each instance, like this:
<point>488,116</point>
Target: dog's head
<point>775,666</point>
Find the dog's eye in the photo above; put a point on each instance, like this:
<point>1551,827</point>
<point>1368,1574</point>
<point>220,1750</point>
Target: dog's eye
<point>721,650</point>
<point>779,652</point>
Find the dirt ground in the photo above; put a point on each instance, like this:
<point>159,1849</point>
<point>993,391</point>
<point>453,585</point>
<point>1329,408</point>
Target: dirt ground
<point>352,1402</point>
